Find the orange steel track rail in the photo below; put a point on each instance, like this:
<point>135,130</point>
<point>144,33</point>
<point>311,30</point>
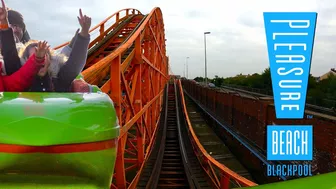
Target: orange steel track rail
<point>137,71</point>
<point>209,164</point>
<point>121,31</point>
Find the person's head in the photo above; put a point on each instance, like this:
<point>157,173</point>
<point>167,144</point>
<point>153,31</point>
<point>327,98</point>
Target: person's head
<point>52,59</point>
<point>16,22</point>
<point>80,86</point>
<point>28,51</point>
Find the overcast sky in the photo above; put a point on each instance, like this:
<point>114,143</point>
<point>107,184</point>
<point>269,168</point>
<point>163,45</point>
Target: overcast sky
<point>237,43</point>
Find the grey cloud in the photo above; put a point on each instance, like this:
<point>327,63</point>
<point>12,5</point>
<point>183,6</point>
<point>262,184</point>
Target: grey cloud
<point>195,14</point>
<point>225,55</point>
<point>251,20</point>
<point>55,21</point>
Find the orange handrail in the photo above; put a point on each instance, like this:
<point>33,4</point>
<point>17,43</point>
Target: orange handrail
<point>102,24</point>
<point>226,172</point>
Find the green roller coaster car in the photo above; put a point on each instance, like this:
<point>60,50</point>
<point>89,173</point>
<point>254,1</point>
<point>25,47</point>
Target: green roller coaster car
<point>57,140</point>
<point>322,181</point>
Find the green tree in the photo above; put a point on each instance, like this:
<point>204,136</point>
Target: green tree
<point>199,79</point>
<point>312,82</point>
<point>218,81</point>
<point>266,79</point>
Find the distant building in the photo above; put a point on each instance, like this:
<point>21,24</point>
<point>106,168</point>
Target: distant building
<point>326,75</point>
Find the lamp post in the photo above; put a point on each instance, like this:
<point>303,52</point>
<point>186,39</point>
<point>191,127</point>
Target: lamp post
<point>205,57</point>
<point>187,66</point>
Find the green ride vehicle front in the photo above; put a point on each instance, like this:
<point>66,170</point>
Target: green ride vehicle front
<point>57,140</point>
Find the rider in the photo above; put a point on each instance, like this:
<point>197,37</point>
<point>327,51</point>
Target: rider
<point>22,78</point>
<point>16,22</point>
<point>81,86</point>
<point>58,73</point>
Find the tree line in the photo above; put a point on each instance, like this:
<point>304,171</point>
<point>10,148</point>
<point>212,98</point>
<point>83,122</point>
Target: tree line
<point>321,93</point>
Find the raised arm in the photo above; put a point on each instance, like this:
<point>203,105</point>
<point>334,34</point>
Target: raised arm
<point>77,58</point>
<point>22,79</point>
<point>9,52</point>
<point>67,49</point>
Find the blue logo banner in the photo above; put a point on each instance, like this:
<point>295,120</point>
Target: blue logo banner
<point>289,142</point>
<point>290,40</point>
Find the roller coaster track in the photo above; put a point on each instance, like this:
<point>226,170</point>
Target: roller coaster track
<point>172,163</point>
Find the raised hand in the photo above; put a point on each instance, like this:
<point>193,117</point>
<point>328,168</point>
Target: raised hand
<point>41,49</point>
<point>85,23</point>
<point>3,14</point>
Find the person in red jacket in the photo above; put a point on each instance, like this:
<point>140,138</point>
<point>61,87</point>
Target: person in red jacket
<point>22,78</point>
